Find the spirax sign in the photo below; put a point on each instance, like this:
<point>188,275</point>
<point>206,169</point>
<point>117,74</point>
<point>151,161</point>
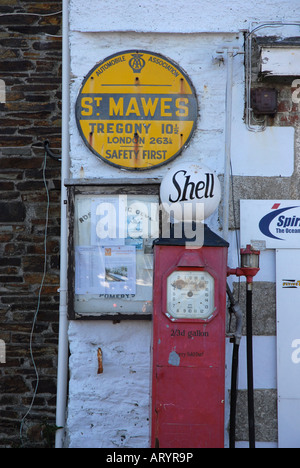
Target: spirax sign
<point>276,223</point>
<point>136,110</point>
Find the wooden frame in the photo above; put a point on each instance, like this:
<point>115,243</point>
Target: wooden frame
<point>101,187</point>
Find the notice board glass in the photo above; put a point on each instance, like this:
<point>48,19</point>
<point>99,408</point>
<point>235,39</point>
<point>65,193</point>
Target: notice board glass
<point>111,233</point>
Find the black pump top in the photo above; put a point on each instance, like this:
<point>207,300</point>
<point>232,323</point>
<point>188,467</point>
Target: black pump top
<point>210,238</point>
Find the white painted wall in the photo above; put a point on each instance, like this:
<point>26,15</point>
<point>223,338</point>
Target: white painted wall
<point>109,409</point>
<point>112,409</point>
<point>173,16</point>
<point>196,55</point>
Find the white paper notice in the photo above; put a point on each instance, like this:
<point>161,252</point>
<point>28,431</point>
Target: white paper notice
<point>105,270</point>
<point>89,270</point>
<point>120,270</point>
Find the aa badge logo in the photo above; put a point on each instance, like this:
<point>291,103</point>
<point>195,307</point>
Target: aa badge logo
<point>137,63</point>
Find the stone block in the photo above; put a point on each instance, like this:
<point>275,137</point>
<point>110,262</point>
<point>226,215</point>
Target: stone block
<point>264,306</point>
<point>12,212</point>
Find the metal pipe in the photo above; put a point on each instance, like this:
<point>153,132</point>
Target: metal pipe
<point>233,394</point>
<point>236,338</point>
<point>62,370</point>
<point>249,268</point>
<point>251,420</point>
<point>228,124</point>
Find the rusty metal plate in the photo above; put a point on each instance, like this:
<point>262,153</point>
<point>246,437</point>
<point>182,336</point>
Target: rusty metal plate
<point>136,110</point>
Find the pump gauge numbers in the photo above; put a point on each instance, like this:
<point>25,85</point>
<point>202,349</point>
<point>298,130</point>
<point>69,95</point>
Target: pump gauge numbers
<point>190,295</point>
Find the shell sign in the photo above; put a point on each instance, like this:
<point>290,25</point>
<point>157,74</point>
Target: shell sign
<point>136,110</point>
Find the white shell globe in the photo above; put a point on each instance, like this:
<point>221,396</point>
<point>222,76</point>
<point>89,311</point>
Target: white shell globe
<point>191,190</point>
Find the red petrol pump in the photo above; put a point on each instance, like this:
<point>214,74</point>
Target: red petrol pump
<point>189,306</point>
<point>189,316</point>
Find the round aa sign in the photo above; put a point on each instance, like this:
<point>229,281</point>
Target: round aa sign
<point>136,110</point>
<point>193,187</point>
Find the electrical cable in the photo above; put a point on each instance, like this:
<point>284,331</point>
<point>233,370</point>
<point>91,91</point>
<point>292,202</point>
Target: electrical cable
<point>273,24</point>
<point>39,299</point>
<point>31,14</point>
<point>50,153</point>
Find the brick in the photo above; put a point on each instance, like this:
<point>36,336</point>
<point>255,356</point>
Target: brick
<point>18,66</point>
<point>7,186</point>
<point>11,175</point>
<point>15,141</point>
<point>54,45</point>
<point>47,386</point>
<point>12,212</point>
<point>17,19</point>
<point>8,196</point>
<point>32,263</point>
<point>9,270</point>
<point>35,278</point>
<point>13,384</point>
<point>37,97</point>
<point>35,30</point>
<point>5,237</point>
<point>20,163</point>
<point>30,185</point>
<point>49,290</point>
<point>30,106</point>
<point>14,96</point>
<point>14,249</point>
<point>10,261</point>
<point>34,197</point>
<point>7,54</point>
<point>11,279</point>
<point>8,131</point>
<point>13,43</point>
<point>8,2</point>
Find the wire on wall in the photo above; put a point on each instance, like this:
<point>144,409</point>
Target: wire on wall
<point>50,152</point>
<point>31,14</point>
<point>39,300</point>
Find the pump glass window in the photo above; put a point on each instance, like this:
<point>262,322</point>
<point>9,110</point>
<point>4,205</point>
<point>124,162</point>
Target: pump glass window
<point>190,294</point>
<point>112,253</point>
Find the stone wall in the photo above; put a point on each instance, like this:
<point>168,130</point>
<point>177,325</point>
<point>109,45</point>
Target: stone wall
<point>30,66</point>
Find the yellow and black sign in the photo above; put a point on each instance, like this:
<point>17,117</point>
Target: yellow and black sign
<point>136,110</point>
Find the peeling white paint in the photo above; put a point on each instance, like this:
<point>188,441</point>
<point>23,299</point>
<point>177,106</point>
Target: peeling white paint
<point>280,61</point>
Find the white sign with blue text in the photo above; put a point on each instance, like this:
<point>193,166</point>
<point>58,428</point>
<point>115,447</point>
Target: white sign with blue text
<point>273,224</point>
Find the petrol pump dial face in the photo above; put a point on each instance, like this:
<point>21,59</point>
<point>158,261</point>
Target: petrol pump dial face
<point>190,294</point>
